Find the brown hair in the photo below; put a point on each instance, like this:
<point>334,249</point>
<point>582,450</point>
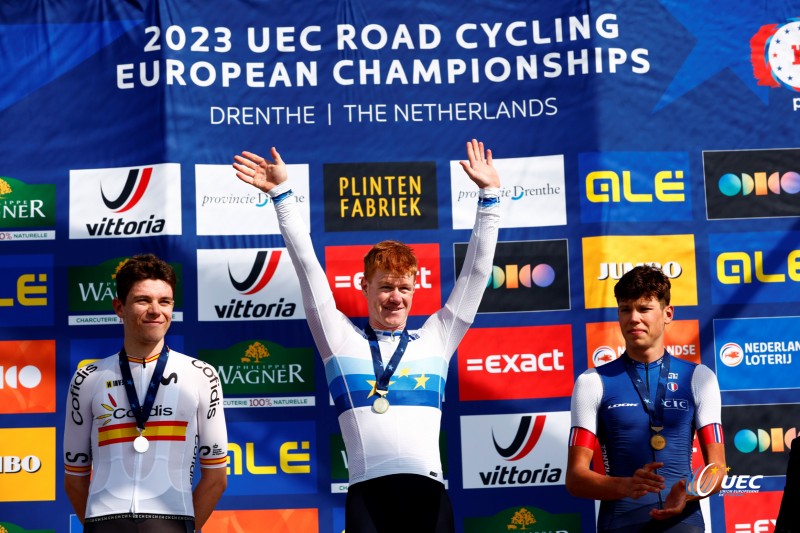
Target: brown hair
<point>643,281</point>
<point>141,267</point>
<point>394,257</point>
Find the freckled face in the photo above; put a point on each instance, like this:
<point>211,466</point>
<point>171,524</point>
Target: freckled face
<point>388,299</point>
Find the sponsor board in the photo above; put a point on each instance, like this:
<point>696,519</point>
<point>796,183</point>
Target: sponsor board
<point>635,186</point>
<point>7,527</point>
<point>516,450</point>
<point>263,520</point>
<point>125,202</point>
<point>27,376</point>
<point>26,290</point>
<point>529,518</point>
<point>28,464</point>
<point>752,513</point>
<point>271,458</point>
<point>344,267</point>
<point>530,185</point>
<point>754,267</point>
<point>604,341</point>
<point>607,259</point>
<point>27,211</point>
<point>526,276</point>
<point>515,363</point>
<point>380,196</point>
<point>758,437</point>
<point>247,284</point>
<point>757,353</point>
<point>742,184</point>
<point>260,373</point>
<point>225,205</point>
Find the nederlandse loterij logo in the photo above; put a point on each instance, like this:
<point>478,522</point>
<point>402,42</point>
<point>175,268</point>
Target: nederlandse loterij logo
<point>24,206</point>
<point>125,202</point>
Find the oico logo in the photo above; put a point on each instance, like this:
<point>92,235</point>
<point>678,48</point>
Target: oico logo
<point>776,439</point>
<point>731,354</point>
<point>512,276</point>
<point>28,377</point>
<point>759,184</point>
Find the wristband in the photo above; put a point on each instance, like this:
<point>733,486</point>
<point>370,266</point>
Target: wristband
<point>488,201</point>
<point>282,196</point>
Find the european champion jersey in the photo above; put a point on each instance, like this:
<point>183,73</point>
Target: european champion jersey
<point>186,421</point>
<point>606,403</point>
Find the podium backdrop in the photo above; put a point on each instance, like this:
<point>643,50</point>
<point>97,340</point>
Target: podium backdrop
<point>652,131</point>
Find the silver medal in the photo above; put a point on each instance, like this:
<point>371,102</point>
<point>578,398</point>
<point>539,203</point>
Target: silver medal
<point>380,405</point>
<point>141,444</point>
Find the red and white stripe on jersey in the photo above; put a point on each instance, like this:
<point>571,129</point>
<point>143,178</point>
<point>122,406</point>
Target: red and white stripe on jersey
<point>712,433</point>
<point>579,436</point>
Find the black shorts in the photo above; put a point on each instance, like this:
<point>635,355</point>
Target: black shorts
<point>399,503</point>
<point>137,525</point>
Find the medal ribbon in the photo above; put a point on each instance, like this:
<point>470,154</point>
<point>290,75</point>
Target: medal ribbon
<point>382,375</point>
<point>142,412</point>
<point>654,412</point>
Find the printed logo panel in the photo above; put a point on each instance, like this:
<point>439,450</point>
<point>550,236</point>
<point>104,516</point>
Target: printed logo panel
<point>91,290</point>
<point>344,267</point>
<point>526,276</point>
<point>512,451</point>
<point>125,202</point>
<point>28,464</point>
<point>752,183</point>
<point>380,196</point>
<point>529,185</point>
<point>524,519</point>
<point>8,527</point>
<point>284,452</point>
<point>27,212</point>
<point>263,521</point>
<point>752,513</point>
<point>607,259</point>
<point>515,363</point>
<point>27,376</point>
<point>26,290</point>
<point>260,373</point>
<point>247,284</point>
<point>757,353</point>
<point>604,341</point>
<point>758,437</point>
<point>635,186</point>
<point>225,205</point>
<point>755,267</point>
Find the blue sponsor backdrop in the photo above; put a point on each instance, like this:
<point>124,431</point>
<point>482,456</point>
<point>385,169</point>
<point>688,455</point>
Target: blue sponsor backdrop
<point>642,87</point>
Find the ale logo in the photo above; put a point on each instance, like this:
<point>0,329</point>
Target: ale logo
<point>131,192</point>
<point>731,354</point>
<point>527,436</point>
<point>28,464</point>
<point>264,267</point>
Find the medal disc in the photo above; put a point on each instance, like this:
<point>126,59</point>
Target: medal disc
<point>141,444</point>
<point>658,442</point>
<point>380,405</point>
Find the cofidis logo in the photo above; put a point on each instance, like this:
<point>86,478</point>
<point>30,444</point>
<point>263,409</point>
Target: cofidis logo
<point>27,376</point>
<point>530,185</point>
<point>125,202</point>
<point>757,353</point>
<point>344,267</point>
<point>635,186</point>
<point>26,283</point>
<point>247,284</point>
<point>27,212</point>
<point>28,461</point>
<point>515,363</point>
<point>607,259</point>
<point>755,267</point>
<point>512,451</point>
<point>271,458</point>
<point>604,341</point>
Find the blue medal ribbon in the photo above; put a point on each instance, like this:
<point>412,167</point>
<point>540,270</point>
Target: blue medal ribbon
<point>654,412</point>
<point>142,412</point>
<point>383,375</point>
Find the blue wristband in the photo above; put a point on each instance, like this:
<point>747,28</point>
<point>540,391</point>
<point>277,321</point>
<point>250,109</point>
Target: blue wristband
<point>488,202</point>
<point>283,196</point>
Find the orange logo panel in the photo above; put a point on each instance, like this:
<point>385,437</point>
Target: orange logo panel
<point>27,377</point>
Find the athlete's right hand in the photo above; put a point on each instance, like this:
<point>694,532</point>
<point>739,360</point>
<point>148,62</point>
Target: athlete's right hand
<point>258,172</point>
<point>645,480</point>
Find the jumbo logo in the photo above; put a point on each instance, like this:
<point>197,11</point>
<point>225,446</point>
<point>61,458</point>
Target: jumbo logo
<point>28,464</point>
<point>27,376</point>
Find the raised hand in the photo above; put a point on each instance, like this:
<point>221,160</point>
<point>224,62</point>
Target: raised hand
<point>479,166</point>
<point>260,173</point>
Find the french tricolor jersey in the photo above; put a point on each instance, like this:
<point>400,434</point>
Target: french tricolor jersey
<point>186,424</point>
<point>605,404</point>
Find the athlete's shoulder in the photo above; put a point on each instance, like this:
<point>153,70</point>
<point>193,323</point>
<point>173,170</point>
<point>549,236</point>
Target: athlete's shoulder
<point>677,362</point>
<point>612,368</point>
<point>95,369</point>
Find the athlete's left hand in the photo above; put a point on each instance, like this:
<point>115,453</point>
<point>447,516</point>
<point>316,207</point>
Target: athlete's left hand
<point>675,502</point>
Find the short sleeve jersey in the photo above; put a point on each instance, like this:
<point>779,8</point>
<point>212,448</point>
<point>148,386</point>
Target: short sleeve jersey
<point>186,425</point>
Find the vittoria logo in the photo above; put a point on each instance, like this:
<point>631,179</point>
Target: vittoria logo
<point>528,433</point>
<point>263,269</point>
<point>132,191</point>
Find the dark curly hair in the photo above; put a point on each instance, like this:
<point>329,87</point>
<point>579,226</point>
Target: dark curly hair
<point>643,281</point>
<point>141,267</point>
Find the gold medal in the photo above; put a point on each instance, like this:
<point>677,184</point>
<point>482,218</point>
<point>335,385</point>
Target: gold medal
<point>380,405</point>
<point>658,442</point>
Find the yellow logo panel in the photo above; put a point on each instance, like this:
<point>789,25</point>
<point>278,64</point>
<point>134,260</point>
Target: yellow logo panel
<point>27,464</point>
<point>606,259</point>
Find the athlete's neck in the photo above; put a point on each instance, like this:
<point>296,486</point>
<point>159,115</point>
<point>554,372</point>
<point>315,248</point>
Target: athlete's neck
<point>380,327</point>
<point>142,351</point>
<point>647,356</point>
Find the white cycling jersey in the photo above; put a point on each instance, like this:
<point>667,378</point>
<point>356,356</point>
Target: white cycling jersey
<point>405,439</point>
<point>186,422</point>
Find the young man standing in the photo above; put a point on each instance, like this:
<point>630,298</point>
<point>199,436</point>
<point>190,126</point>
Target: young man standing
<point>644,409</point>
<point>138,421</point>
<point>388,382</point>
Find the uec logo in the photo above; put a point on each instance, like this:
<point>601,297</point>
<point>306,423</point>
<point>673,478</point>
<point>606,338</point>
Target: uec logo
<point>703,480</point>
